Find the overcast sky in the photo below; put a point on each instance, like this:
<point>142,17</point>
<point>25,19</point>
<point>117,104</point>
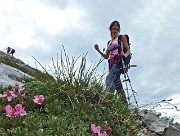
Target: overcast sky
<point>39,28</point>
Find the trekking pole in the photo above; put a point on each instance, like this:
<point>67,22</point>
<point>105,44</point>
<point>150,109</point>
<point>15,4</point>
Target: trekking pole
<point>126,76</point>
<point>133,92</point>
<point>123,68</point>
<point>128,97</point>
<point>128,67</point>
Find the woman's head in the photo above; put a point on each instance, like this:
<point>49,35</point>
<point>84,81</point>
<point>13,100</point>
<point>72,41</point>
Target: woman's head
<point>114,25</point>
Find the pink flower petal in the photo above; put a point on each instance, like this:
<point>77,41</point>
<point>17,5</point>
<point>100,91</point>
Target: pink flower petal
<point>8,110</point>
<point>95,129</point>
<point>23,113</point>
<point>9,98</point>
<point>39,99</point>
<point>2,95</point>
<point>98,128</point>
<point>103,134</point>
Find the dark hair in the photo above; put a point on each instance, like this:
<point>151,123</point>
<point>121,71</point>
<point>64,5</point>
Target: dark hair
<point>110,27</point>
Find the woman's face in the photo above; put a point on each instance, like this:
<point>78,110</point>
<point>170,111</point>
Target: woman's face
<point>115,28</point>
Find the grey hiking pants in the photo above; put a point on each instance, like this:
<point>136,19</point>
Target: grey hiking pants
<point>113,81</point>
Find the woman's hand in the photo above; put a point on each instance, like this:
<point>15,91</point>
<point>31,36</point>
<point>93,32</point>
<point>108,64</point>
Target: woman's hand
<point>96,47</point>
<point>104,55</point>
<point>123,54</point>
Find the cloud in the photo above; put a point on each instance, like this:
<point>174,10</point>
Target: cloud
<point>22,20</point>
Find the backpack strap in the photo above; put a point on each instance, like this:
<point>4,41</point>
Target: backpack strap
<point>119,44</point>
<point>119,39</point>
<point>127,38</point>
<point>108,42</point>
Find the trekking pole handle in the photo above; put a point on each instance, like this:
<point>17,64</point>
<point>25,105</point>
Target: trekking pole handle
<point>133,65</point>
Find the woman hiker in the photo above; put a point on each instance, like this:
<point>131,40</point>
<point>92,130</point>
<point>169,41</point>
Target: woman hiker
<point>113,81</point>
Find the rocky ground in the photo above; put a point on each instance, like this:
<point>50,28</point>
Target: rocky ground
<point>153,124</point>
<point>10,75</point>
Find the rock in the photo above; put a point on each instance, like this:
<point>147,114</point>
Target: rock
<point>158,114</point>
<point>9,75</point>
<point>151,121</point>
<point>172,131</point>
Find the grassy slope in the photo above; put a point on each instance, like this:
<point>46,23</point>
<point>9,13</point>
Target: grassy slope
<point>72,104</point>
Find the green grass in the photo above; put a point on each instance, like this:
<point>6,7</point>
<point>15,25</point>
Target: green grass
<point>74,100</point>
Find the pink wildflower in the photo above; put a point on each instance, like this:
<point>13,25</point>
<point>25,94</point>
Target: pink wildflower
<point>9,95</point>
<point>20,110</point>
<point>96,129</point>
<point>17,111</point>
<point>109,129</point>
<point>39,99</point>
